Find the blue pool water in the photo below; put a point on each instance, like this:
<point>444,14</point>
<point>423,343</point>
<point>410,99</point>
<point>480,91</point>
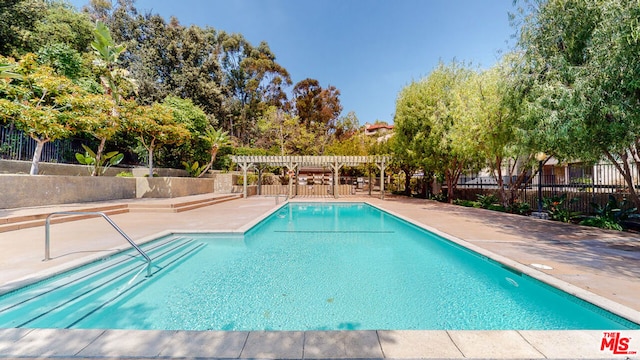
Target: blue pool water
<point>306,267</point>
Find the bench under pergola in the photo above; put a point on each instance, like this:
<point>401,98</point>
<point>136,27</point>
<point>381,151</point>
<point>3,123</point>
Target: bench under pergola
<point>293,163</point>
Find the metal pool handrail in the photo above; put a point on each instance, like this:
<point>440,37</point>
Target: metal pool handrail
<point>104,216</point>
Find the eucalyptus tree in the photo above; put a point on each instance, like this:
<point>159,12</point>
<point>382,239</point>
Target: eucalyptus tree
<point>167,58</point>
<point>579,81</point>
<point>253,79</point>
<point>318,110</point>
<point>277,131</point>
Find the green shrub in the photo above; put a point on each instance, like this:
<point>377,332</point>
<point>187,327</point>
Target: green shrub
<point>466,203</point>
<point>125,174</point>
<point>496,207</point>
<point>520,208</point>
<point>194,169</point>
<point>558,209</point>
<point>487,200</point>
<point>252,179</point>
<point>611,215</point>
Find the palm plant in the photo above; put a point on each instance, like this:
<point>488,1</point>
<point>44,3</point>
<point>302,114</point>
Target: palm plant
<point>6,71</point>
<point>216,139</point>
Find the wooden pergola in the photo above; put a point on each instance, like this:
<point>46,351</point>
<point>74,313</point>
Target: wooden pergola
<point>293,163</point>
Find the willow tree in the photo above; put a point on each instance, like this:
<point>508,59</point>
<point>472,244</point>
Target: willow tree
<point>412,138</point>
<point>435,127</point>
<point>507,154</point>
<point>579,81</point>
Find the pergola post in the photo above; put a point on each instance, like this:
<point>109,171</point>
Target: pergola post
<point>291,168</point>
<point>381,166</point>
<point>244,166</point>
<point>336,175</point>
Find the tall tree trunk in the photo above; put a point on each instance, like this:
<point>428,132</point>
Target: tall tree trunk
<point>625,171</point>
<point>36,156</point>
<point>515,187</point>
<point>449,179</point>
<point>150,149</point>
<point>500,182</point>
<point>96,166</point>
<point>407,180</point>
<point>452,176</point>
<point>214,152</point>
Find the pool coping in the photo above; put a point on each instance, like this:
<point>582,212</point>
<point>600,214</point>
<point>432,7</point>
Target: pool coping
<point>382,344</point>
<point>369,344</point>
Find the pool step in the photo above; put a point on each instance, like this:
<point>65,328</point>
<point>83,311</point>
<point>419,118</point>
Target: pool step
<point>11,223</point>
<point>69,299</point>
<point>174,207</point>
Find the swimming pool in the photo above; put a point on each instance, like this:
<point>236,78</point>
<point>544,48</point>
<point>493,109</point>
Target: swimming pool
<point>306,267</point>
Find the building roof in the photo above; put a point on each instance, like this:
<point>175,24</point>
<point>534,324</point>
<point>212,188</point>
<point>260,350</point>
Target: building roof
<point>372,127</point>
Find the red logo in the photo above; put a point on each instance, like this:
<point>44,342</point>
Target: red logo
<point>616,343</point>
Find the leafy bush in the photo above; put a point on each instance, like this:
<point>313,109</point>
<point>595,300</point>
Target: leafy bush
<point>125,174</point>
<point>252,179</point>
<point>487,201</point>
<point>441,197</point>
<point>611,215</point>
<point>467,203</point>
<point>194,169</point>
<point>496,207</point>
<point>558,209</point>
<point>520,208</point>
<point>98,167</point>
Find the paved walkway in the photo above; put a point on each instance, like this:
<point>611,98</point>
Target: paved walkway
<point>601,262</point>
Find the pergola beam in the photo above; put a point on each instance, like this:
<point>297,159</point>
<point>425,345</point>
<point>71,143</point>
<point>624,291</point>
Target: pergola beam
<point>293,162</point>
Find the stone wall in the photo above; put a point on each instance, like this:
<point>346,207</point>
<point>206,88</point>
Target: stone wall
<point>223,183</point>
<point>65,183</point>
<point>24,190</point>
<point>170,187</point>
<point>252,190</point>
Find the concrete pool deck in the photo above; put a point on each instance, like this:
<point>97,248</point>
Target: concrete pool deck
<point>592,261</point>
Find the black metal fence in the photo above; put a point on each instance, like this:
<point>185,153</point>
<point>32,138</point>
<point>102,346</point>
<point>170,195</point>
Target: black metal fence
<point>583,185</point>
<point>15,145</point>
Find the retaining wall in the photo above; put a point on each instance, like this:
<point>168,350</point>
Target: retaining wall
<point>26,191</point>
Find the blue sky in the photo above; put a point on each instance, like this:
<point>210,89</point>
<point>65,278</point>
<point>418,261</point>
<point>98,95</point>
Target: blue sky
<point>367,49</point>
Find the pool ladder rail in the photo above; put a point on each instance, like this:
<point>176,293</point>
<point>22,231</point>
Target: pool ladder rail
<point>47,241</point>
